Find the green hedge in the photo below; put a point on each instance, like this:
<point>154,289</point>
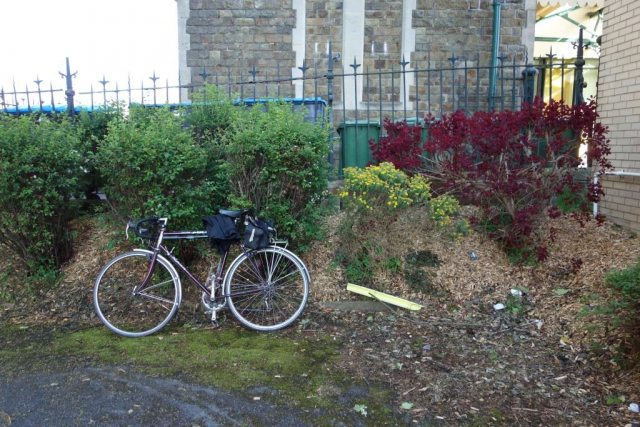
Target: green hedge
<point>150,165</point>
<point>276,162</point>
<point>42,169</point>
<point>181,165</point>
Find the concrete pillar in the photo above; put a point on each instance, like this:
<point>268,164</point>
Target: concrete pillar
<point>184,44</point>
<point>408,47</point>
<point>529,30</point>
<point>352,47</point>
<point>299,41</point>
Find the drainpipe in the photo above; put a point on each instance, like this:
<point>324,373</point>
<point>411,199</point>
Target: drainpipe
<point>617,173</point>
<point>497,7</point>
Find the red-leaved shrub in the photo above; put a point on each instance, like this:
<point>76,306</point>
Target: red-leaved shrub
<point>401,146</point>
<point>511,164</point>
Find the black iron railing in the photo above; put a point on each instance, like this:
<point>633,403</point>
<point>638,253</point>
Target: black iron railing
<point>390,89</point>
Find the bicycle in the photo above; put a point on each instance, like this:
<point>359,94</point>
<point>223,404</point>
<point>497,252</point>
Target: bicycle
<point>137,293</point>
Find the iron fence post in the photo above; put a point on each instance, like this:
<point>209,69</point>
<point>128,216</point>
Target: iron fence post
<point>71,109</point>
<point>579,85</point>
<point>355,66</point>
<point>528,76</point>
<point>38,81</point>
<point>330,78</point>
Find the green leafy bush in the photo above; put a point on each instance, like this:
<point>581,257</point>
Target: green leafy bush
<point>93,128</point>
<point>41,172</point>
<point>617,312</point>
<point>276,163</point>
<point>212,113</point>
<point>626,282</point>
<point>152,166</point>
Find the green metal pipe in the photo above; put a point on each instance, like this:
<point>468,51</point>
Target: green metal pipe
<point>497,7</point>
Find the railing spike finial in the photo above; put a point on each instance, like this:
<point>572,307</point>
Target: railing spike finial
<point>453,59</point>
<point>153,79</point>
<point>104,82</point>
<point>51,91</point>
<point>37,81</point>
<point>304,67</point>
<point>551,55</point>
<point>404,63</point>
<point>204,75</point>
<point>254,72</point>
<point>355,64</point>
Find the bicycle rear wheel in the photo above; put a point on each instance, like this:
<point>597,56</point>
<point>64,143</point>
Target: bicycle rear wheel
<point>136,314</point>
<point>267,290</point>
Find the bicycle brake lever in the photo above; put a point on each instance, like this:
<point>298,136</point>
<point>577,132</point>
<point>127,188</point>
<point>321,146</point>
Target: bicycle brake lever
<point>126,231</point>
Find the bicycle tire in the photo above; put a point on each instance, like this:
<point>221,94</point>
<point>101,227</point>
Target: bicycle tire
<point>279,286</point>
<point>143,314</point>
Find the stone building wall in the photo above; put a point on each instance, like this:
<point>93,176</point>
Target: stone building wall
<point>465,28</point>
<point>236,34</point>
<point>229,37</point>
<point>619,108</point>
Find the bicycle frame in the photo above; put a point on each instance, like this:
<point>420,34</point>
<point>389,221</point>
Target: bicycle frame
<point>191,235</point>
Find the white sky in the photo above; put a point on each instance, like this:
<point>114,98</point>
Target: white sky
<point>114,37</point>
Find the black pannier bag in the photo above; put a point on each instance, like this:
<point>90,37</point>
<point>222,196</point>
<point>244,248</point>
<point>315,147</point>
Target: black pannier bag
<point>222,231</point>
<point>257,233</point>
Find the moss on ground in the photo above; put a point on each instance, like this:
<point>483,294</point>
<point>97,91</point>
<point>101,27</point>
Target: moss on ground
<point>294,369</point>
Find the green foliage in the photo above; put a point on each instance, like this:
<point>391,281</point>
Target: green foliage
<point>568,201</point>
<point>360,270</point>
<point>620,310</point>
<point>276,162</point>
<point>92,129</point>
<point>626,281</point>
<point>514,305</point>
<point>42,168</point>
<point>212,113</point>
<point>522,256</point>
<point>152,166</point>
<point>462,228</point>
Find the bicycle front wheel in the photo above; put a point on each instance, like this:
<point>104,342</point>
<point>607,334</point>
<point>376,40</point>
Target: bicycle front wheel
<point>267,289</point>
<point>125,308</point>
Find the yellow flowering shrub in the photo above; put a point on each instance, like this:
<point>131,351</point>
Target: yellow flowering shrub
<point>384,187</point>
<point>443,208</point>
<point>375,198</point>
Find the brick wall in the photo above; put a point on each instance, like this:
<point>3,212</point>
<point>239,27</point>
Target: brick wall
<point>230,36</point>
<point>619,108</point>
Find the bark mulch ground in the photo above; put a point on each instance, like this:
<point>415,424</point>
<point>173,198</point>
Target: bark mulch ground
<point>547,358</point>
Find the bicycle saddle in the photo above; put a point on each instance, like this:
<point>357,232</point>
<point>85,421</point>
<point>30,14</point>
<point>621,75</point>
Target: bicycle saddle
<point>234,214</point>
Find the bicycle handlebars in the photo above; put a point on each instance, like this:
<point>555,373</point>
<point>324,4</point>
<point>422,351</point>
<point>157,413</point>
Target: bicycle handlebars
<point>141,232</point>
